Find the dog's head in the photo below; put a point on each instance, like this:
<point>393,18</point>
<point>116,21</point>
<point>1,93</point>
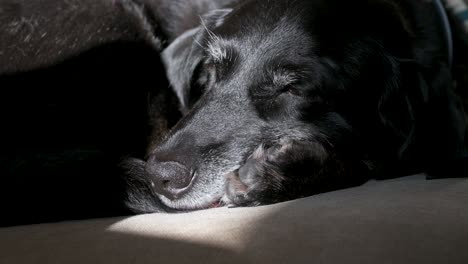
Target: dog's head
<point>276,72</point>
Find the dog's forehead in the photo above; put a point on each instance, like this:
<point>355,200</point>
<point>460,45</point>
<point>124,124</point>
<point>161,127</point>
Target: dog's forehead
<point>273,33</point>
<point>279,41</point>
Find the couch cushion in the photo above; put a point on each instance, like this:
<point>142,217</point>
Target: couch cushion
<point>406,220</point>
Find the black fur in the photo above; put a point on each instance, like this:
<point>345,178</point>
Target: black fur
<point>280,99</point>
<point>284,99</point>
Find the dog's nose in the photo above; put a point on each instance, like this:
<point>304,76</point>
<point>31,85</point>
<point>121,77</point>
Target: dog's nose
<point>169,178</point>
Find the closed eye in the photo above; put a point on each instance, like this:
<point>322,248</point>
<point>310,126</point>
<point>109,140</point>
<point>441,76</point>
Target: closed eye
<point>273,90</point>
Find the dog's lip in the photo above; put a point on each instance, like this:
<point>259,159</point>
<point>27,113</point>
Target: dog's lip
<point>213,203</point>
<point>217,201</point>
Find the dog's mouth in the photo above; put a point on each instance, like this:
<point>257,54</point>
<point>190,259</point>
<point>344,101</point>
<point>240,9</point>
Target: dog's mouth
<point>217,204</point>
<point>208,201</point>
<point>191,198</point>
<point>192,206</point>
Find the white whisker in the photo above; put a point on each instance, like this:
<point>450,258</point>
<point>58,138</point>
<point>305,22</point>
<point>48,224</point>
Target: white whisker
<point>216,52</point>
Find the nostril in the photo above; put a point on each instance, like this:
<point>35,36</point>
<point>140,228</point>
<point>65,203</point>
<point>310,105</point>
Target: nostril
<point>165,183</point>
<point>169,178</point>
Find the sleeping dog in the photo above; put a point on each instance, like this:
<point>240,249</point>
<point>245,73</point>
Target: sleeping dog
<point>284,99</point>
<point>279,99</point>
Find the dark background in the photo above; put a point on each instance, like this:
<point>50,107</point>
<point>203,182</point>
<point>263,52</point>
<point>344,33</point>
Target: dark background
<point>65,129</point>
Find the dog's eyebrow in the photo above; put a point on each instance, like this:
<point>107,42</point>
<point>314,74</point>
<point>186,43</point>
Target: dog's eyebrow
<point>213,47</point>
<point>216,51</point>
<point>284,77</point>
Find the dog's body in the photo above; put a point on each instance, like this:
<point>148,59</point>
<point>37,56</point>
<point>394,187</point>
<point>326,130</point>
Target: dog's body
<point>280,99</point>
<point>284,99</point>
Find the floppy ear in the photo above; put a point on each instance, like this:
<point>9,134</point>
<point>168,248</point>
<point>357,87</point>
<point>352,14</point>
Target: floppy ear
<point>182,57</point>
<point>425,113</point>
<point>441,124</point>
<point>418,104</point>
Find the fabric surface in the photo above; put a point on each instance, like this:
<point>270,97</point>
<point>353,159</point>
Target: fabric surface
<point>406,220</point>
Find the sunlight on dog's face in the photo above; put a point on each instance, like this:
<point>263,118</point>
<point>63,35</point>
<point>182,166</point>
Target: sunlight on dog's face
<point>241,86</point>
<point>285,99</point>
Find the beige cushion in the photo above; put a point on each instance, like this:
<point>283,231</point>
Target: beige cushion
<point>407,220</point>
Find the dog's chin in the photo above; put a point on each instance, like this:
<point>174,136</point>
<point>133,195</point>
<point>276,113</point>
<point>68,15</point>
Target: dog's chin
<point>193,204</point>
<point>194,200</point>
<point>205,192</point>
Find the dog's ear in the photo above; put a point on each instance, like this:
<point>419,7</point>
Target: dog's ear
<point>422,110</point>
<point>181,58</point>
<point>441,123</point>
<point>185,54</point>
<point>418,104</point>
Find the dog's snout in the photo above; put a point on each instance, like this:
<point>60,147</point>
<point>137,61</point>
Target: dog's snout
<point>169,178</point>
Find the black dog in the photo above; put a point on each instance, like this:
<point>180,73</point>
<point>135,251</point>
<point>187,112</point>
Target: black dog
<point>284,99</point>
<point>280,99</point>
